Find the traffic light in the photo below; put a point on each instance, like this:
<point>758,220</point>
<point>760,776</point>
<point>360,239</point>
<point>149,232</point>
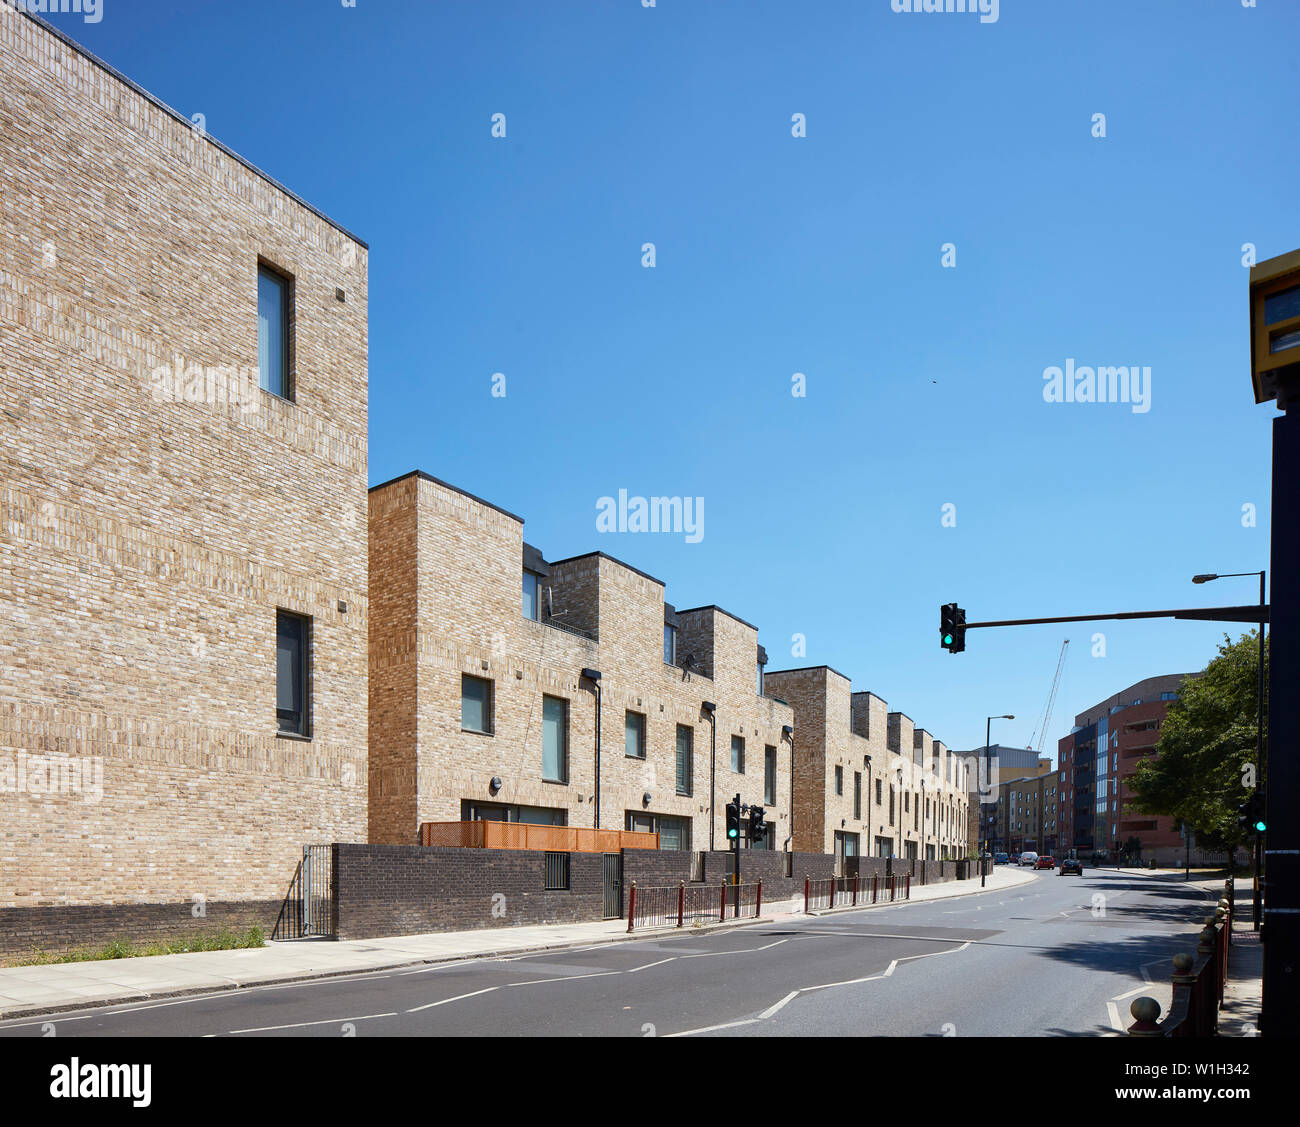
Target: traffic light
<point>1250,814</point>
<point>952,628</point>
<point>757,823</point>
<point>733,821</point>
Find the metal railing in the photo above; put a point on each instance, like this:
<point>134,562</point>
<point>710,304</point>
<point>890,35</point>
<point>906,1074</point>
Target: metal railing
<point>308,908</point>
<point>557,872</point>
<point>1198,982</point>
<point>669,906</point>
<point>848,892</point>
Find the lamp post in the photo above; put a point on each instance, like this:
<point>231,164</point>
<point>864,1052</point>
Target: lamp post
<point>988,725</point>
<point>1259,714</point>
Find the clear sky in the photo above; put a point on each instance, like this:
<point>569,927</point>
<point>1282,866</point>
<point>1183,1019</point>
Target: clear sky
<point>820,255</point>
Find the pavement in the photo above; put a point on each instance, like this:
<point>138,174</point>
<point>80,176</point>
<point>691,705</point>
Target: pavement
<point>59,987</point>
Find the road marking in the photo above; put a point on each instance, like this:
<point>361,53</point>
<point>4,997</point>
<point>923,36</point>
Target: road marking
<point>566,978</point>
<point>649,965</point>
<point>745,951</point>
<point>458,998</point>
<point>711,1028</point>
<point>773,1009</point>
<point>1115,1022</point>
<point>301,1024</point>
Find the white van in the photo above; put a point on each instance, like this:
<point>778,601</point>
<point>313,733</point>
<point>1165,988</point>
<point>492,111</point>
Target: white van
<point>1028,858</point>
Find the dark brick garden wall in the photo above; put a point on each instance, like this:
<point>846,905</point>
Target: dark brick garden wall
<point>66,927</point>
<point>412,889</point>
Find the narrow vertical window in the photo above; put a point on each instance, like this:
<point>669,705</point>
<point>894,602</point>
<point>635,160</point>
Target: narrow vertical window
<point>475,704</point>
<point>555,740</point>
<point>273,332</point>
<point>670,644</point>
<point>634,735</point>
<point>291,671</point>
<point>857,795</point>
<point>685,755</point>
<point>738,754</point>
<point>532,589</point>
<point>839,780</point>
<point>769,775</point>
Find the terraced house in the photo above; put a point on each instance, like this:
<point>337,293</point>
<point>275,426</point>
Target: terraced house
<point>508,687</point>
<point>183,567</point>
<point>866,781</point>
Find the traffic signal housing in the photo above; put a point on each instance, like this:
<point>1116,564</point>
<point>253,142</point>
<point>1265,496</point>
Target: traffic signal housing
<point>952,628</point>
<point>733,821</point>
<point>757,824</point>
<point>1251,814</point>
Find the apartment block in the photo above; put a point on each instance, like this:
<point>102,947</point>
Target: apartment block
<point>866,782</point>
<point>183,554</point>
<point>508,687</point>
<point>1104,748</point>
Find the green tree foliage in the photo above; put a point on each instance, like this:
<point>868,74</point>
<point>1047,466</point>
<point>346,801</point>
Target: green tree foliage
<point>1205,756</point>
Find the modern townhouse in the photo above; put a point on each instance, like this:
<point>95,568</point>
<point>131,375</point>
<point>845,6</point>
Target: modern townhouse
<point>183,564</point>
<point>508,687</point>
<point>856,792</point>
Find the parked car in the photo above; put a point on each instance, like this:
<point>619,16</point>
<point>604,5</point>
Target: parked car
<point>1045,862</point>
<point>1001,859</point>
<point>1072,865</point>
<point>1028,858</point>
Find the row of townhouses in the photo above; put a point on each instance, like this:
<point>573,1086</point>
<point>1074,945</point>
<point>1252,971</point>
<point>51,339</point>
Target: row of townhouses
<point>219,644</point>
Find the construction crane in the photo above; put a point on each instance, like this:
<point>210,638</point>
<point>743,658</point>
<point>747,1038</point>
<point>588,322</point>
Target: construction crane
<point>1046,718</point>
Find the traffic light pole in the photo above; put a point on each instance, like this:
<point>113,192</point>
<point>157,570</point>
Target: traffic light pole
<point>735,842</point>
<point>1280,934</point>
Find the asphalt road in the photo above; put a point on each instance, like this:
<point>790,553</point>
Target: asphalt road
<point>1061,956</point>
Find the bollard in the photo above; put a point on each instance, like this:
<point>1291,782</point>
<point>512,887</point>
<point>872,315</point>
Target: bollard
<point>1146,1013</point>
<point>907,888</point>
<point>631,907</point>
<point>722,915</point>
<point>758,903</point>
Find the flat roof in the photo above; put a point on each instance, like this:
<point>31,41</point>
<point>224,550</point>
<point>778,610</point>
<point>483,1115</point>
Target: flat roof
<point>808,669</point>
<point>612,559</point>
<point>110,69</point>
<point>714,606</point>
<point>446,485</point>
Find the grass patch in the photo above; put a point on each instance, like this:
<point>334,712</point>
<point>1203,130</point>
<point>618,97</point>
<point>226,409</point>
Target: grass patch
<point>226,939</point>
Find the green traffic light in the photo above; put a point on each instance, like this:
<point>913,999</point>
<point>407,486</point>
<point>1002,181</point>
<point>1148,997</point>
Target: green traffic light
<point>1260,827</point>
<point>733,833</point>
<point>947,639</point>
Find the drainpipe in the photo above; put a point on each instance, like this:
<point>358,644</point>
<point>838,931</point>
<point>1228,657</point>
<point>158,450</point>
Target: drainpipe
<point>709,708</point>
<point>593,675</point>
<point>787,732</point>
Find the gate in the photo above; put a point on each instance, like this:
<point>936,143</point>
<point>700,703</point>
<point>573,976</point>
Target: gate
<point>613,885</point>
<point>308,908</point>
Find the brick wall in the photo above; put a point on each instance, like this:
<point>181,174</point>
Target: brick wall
<point>155,512</point>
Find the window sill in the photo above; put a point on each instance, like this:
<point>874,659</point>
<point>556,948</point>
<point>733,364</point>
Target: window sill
<point>477,732</point>
<point>638,758</point>
<point>294,736</point>
<point>556,782</point>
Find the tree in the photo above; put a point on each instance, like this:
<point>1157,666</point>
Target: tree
<point>1203,767</point>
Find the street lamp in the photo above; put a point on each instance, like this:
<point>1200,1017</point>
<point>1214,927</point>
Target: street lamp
<point>988,724</point>
<point>1259,712</point>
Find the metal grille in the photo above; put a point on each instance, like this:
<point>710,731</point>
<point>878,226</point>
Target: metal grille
<point>308,908</point>
<point>683,904</point>
<point>557,872</point>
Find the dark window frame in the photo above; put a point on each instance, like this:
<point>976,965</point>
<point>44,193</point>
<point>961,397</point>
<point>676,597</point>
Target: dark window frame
<point>641,738</point>
<point>564,741</point>
<point>288,303</point>
<point>285,725</point>
<point>489,705</point>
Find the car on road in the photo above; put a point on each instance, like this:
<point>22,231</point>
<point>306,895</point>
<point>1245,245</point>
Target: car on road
<point>1072,865</point>
<point>1045,862</point>
<point>1001,859</point>
<point>1028,858</point>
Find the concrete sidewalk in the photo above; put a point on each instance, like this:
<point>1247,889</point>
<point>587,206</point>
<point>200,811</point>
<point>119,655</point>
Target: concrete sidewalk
<point>68,986</point>
<point>1243,995</point>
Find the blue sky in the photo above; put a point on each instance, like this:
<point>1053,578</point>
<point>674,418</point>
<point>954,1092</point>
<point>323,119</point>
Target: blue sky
<point>818,255</point>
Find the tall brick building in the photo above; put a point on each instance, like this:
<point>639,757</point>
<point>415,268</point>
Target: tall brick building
<point>183,556</point>
<point>1096,759</point>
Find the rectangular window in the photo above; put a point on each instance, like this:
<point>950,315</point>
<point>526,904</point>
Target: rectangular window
<point>839,780</point>
<point>670,644</point>
<point>760,680</point>
<point>557,872</point>
<point>769,775</point>
<point>878,792</point>
<point>292,637</point>
<point>532,591</point>
<point>891,804</point>
<point>475,704</point>
<point>685,758</point>
<point>273,332</point>
<point>555,740</point>
<point>738,754</point>
<point>857,795</point>
<point>634,735</point>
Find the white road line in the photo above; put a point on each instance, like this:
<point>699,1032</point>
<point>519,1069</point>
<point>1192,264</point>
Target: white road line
<point>458,998</point>
<point>711,1028</point>
<point>649,965</point>
<point>773,1009</point>
<point>745,951</point>
<point>301,1024</point>
<point>1114,1017</point>
<point>565,978</point>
